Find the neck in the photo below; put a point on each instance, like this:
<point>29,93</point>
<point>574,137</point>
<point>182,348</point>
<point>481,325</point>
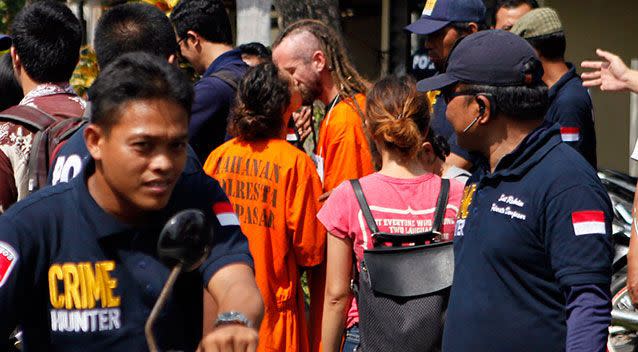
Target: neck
<point>328,89</point>
<point>27,84</point>
<point>394,165</point>
<point>506,138</point>
<point>554,70</point>
<point>108,200</point>
<point>211,51</point>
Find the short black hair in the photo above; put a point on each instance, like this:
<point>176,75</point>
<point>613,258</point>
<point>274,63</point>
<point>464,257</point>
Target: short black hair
<point>519,102</point>
<point>550,46</point>
<point>262,98</point>
<point>206,17</point>
<point>10,89</point>
<point>256,49</point>
<point>510,4</point>
<point>136,76</point>
<point>47,37</point>
<point>133,27</point>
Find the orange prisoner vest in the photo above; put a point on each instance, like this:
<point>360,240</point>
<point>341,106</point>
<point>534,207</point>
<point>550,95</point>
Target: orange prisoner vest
<point>274,187</point>
<point>343,145</point>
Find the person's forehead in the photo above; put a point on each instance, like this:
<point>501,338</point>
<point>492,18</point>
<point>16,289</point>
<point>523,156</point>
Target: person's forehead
<point>144,111</point>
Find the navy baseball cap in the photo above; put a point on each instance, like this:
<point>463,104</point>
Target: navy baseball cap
<point>492,57</point>
<point>439,13</point>
<point>5,42</point>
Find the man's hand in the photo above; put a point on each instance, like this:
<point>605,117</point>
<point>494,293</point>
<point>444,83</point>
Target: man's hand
<point>303,122</point>
<point>611,74</point>
<point>230,338</point>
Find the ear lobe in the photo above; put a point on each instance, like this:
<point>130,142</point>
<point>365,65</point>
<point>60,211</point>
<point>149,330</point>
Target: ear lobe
<point>93,137</point>
<point>319,60</point>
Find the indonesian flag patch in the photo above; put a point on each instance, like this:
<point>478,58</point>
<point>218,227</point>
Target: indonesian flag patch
<point>225,214</point>
<point>570,134</point>
<point>589,222</point>
<point>291,136</point>
<point>8,259</point>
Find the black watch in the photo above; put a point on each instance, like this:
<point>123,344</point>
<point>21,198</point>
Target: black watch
<point>233,318</point>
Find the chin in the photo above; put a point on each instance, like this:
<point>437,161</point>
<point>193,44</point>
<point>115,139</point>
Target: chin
<point>152,203</point>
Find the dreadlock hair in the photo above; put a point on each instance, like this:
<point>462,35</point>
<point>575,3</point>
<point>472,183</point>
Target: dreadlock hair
<point>349,82</point>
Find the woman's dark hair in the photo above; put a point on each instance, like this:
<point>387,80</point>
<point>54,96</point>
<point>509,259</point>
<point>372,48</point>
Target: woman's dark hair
<point>10,89</point>
<point>136,76</point>
<point>262,98</point>
<point>397,116</point>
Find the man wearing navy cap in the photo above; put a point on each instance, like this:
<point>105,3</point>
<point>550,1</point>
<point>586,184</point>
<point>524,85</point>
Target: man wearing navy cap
<point>444,22</point>
<point>532,242</point>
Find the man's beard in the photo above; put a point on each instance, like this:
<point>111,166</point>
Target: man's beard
<point>310,92</point>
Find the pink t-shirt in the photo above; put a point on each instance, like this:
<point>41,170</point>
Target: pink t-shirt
<point>398,205</point>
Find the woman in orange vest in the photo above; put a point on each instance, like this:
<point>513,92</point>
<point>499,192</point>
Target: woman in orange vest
<point>273,188</point>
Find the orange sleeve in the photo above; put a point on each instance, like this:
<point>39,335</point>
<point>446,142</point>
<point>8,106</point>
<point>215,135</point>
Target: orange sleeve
<point>347,153</point>
<point>308,234</point>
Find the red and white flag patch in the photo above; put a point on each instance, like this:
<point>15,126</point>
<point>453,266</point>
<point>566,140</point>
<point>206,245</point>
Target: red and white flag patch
<point>225,214</point>
<point>291,136</point>
<point>570,134</point>
<point>589,222</point>
<point>8,259</point>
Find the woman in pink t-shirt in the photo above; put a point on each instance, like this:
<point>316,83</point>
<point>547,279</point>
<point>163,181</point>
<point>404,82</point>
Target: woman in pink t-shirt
<point>402,198</point>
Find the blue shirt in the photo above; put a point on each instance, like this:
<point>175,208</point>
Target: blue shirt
<point>571,107</point>
<point>526,234</point>
<point>213,101</point>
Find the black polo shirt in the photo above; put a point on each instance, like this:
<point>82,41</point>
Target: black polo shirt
<point>77,279</point>
<point>536,226</point>
<point>571,107</point>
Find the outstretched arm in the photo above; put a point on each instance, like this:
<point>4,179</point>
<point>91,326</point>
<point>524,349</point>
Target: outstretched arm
<point>610,74</point>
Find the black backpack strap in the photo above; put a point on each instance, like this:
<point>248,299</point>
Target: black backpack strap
<point>441,206</point>
<point>229,77</point>
<point>363,204</point>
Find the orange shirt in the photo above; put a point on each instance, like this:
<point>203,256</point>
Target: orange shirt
<point>343,146</point>
<point>274,187</point>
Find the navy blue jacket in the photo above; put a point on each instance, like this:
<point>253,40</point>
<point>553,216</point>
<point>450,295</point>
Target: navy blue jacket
<point>213,100</point>
<point>527,234</point>
<point>571,107</point>
<point>81,280</point>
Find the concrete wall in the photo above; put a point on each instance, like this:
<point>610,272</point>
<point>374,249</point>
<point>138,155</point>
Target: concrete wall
<point>611,25</point>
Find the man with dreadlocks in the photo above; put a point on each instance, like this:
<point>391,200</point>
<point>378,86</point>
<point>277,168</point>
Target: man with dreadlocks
<point>314,55</point>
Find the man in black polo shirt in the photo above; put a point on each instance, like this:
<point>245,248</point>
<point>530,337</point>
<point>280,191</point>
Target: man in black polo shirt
<point>78,263</point>
<point>532,242</point>
<point>570,104</point>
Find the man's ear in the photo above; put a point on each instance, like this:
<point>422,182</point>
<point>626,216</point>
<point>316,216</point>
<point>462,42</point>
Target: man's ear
<point>15,59</point>
<point>319,61</point>
<point>484,109</point>
<point>427,151</point>
<point>94,138</point>
<point>193,38</point>
<point>473,27</point>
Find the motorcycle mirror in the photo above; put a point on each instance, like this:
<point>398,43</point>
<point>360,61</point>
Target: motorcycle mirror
<point>186,238</point>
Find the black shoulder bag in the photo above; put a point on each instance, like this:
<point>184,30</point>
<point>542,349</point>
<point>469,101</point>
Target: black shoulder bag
<point>403,289</point>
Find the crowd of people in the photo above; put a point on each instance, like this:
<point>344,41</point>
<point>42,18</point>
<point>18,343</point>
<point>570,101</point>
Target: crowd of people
<point>461,212</point>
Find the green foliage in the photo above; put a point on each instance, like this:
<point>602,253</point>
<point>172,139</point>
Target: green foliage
<point>8,9</point>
